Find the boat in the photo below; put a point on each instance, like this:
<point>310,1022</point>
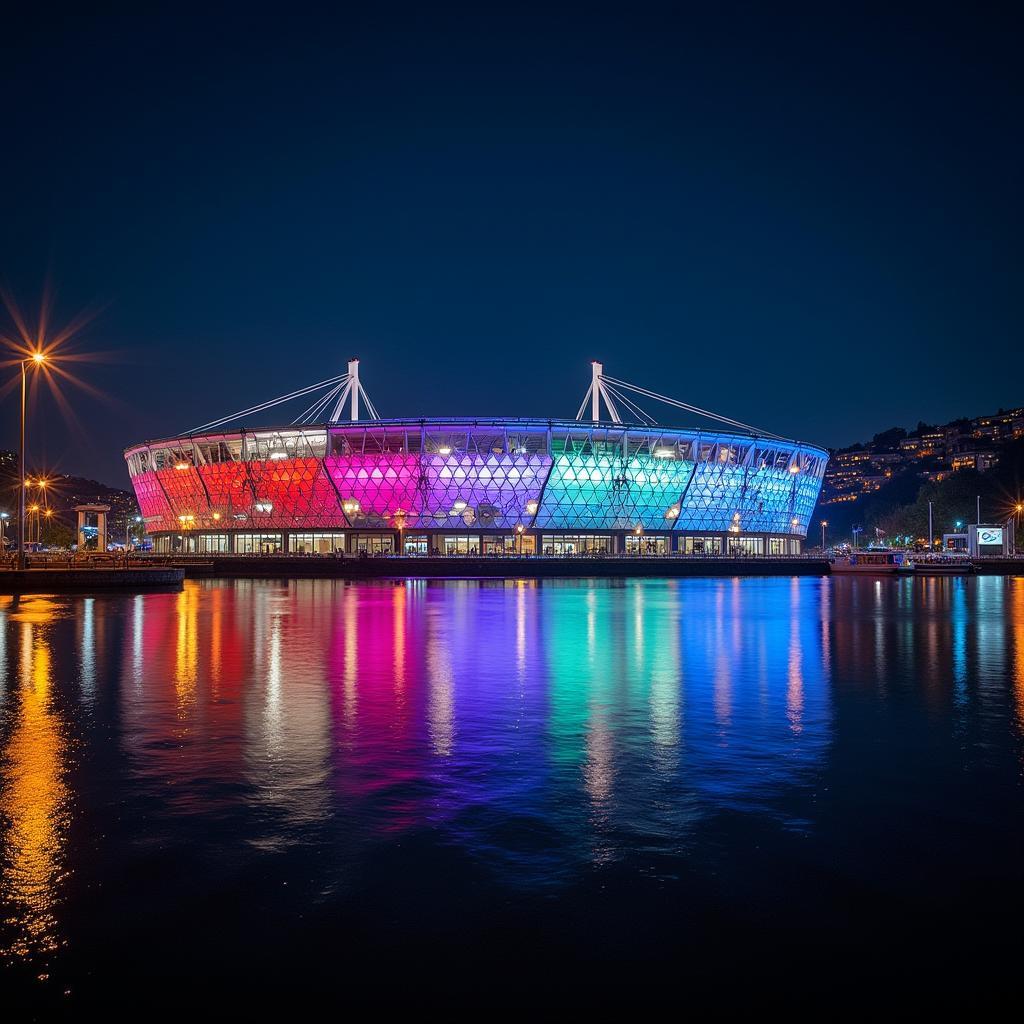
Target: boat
<point>939,565</point>
<point>880,562</point>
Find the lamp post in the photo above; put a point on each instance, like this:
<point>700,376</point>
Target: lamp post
<point>37,359</point>
<point>824,523</point>
<point>399,518</point>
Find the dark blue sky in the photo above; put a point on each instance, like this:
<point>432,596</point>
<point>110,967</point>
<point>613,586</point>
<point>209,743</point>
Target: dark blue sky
<point>746,209</point>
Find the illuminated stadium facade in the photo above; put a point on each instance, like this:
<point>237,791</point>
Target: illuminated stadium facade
<point>476,486</point>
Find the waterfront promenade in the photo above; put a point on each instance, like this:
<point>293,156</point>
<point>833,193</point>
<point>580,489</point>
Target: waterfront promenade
<point>487,567</point>
<point>278,566</point>
<point>140,572</point>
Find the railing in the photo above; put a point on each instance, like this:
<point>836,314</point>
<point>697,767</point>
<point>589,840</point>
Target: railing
<point>192,556</point>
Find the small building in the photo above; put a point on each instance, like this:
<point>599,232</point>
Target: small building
<point>989,540</point>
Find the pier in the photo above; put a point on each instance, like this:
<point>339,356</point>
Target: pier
<point>82,579</point>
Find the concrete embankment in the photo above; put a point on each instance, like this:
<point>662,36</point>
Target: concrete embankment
<point>46,580</point>
<point>298,566</point>
<point>995,566</point>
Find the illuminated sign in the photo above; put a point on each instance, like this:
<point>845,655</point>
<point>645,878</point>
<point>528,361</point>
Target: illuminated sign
<point>990,535</point>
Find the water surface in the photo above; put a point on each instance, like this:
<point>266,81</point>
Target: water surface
<point>480,787</point>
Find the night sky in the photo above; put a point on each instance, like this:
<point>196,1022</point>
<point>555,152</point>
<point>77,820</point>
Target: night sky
<point>811,222</point>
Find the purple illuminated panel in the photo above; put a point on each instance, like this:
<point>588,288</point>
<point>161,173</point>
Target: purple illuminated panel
<point>483,490</point>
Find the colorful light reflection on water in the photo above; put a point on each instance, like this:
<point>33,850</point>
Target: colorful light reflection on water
<point>435,762</point>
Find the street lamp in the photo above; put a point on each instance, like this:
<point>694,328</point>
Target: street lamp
<point>36,360</point>
<point>824,523</point>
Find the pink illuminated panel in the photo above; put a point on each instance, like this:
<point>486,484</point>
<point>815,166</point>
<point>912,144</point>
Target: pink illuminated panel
<point>373,487</point>
<point>184,492</point>
<point>152,503</point>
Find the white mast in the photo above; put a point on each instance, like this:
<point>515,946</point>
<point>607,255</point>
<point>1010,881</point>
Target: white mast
<point>353,378</point>
<point>595,393</point>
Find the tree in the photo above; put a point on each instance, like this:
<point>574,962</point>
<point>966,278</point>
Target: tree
<point>889,438</point>
<point>55,533</point>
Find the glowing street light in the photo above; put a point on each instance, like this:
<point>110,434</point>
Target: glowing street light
<point>36,360</point>
<point>824,523</point>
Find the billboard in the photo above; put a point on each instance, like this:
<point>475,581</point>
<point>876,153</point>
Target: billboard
<point>990,535</point>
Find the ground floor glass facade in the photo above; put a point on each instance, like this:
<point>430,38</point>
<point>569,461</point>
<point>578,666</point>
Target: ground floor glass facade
<point>644,545</point>
<point>468,543</point>
<point>576,544</point>
<point>316,543</point>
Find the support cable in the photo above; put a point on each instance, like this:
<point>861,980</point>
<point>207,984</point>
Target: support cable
<point>370,407</point>
<point>612,411</point>
<point>641,415</point>
<point>312,414</point>
<point>267,405</point>
<point>691,408</point>
<point>339,406</point>
<point>583,404</point>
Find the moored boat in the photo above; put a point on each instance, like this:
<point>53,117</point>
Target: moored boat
<point>872,563</point>
<point>940,565</point>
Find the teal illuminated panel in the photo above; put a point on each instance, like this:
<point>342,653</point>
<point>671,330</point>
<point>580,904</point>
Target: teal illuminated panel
<point>607,491</point>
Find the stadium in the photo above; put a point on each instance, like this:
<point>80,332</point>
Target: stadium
<point>614,484</point>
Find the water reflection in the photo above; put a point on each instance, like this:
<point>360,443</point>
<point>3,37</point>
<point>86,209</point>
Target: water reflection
<point>34,803</point>
<point>541,729</point>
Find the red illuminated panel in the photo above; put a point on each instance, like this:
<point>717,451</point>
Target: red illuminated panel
<point>293,493</point>
<point>185,493</point>
<point>231,495</point>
